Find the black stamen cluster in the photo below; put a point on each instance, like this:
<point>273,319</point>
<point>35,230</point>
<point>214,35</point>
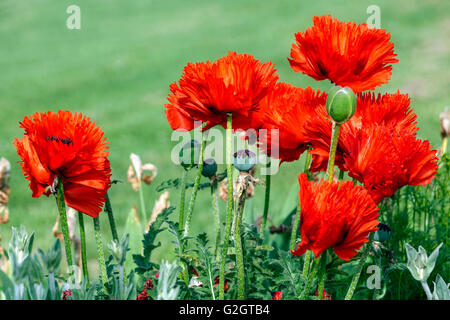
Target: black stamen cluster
<point>66,141</point>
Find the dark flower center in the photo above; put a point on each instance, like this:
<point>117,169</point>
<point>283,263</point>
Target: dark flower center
<point>66,141</point>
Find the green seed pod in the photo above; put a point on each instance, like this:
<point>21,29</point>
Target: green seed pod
<point>383,232</point>
<point>190,154</point>
<point>209,168</point>
<point>244,160</point>
<point>341,104</point>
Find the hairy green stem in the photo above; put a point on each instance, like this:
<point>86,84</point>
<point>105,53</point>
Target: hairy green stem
<point>309,280</point>
<point>64,226</point>
<point>238,243</point>
<point>83,248</point>
<point>182,199</point>
<point>322,274</point>
<point>112,223</point>
<point>295,225</point>
<point>266,202</point>
<point>229,208</point>
<point>296,222</point>
<point>101,254</point>
<point>306,263</point>
<point>333,145</point>
<point>187,224</point>
<point>215,205</point>
<point>361,263</point>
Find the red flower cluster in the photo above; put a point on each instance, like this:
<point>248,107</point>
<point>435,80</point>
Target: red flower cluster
<point>378,146</point>
<point>67,295</point>
<point>72,148</point>
<point>147,286</point>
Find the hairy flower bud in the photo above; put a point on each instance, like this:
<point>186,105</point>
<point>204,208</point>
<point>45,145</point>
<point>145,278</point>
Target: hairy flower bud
<point>341,104</point>
<point>244,160</point>
<point>209,168</point>
<point>383,232</point>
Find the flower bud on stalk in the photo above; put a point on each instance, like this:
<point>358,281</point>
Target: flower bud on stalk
<point>244,160</point>
<point>383,232</point>
<point>341,104</point>
<point>209,169</point>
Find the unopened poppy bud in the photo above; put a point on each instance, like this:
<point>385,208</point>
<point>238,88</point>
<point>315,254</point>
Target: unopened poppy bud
<point>209,168</point>
<point>383,232</point>
<point>341,104</point>
<point>189,154</point>
<point>244,160</point>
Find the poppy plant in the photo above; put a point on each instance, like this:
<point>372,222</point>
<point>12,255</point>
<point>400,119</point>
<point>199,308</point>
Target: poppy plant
<point>207,92</point>
<point>347,54</point>
<point>69,147</point>
<point>338,215</point>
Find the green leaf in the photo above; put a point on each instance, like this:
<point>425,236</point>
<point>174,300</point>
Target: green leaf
<point>133,228</point>
<point>441,289</point>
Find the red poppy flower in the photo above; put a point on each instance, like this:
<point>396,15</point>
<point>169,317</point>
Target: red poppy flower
<point>277,295</point>
<point>284,112</point>
<point>388,110</point>
<point>385,161</point>
<point>208,91</point>
<point>336,215</point>
<point>70,147</point>
<point>347,54</point>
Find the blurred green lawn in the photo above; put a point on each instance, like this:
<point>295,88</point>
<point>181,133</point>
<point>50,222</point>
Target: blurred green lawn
<point>118,67</point>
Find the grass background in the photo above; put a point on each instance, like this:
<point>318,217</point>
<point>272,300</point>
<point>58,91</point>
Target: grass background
<point>118,67</point>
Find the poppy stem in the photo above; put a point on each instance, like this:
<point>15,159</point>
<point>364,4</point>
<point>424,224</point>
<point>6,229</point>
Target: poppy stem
<point>333,145</point>
<point>238,242</point>
<point>322,274</point>
<point>266,202</point>
<point>229,209</point>
<point>215,205</point>
<point>306,263</point>
<point>83,248</point>
<point>187,224</point>
<point>143,209</point>
<point>112,223</point>
<point>182,199</point>
<point>101,254</point>
<point>356,276</point>
<point>309,280</point>
<point>64,226</point>
<point>296,222</point>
